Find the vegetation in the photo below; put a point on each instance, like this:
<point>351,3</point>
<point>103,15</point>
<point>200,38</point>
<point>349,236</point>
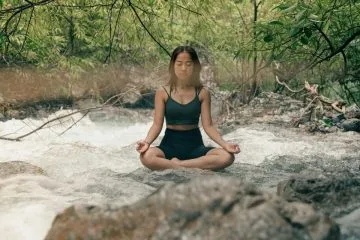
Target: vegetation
<point>249,43</point>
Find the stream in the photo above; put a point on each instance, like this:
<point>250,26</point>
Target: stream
<point>95,162</point>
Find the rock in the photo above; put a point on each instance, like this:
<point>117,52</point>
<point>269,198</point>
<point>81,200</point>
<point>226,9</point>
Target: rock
<point>87,103</point>
<point>352,124</point>
<point>8,169</point>
<point>17,114</point>
<point>327,129</point>
<point>160,178</point>
<point>143,99</point>
<point>350,225</point>
<point>352,112</point>
<point>204,208</point>
<point>131,97</point>
<point>119,115</point>
<point>41,113</point>
<point>207,76</point>
<point>267,107</point>
<point>335,195</point>
<point>336,118</point>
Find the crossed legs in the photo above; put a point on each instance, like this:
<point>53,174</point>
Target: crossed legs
<point>216,158</point>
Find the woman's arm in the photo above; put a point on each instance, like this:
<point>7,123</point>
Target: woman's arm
<point>206,119</point>
<point>208,126</point>
<point>156,127</point>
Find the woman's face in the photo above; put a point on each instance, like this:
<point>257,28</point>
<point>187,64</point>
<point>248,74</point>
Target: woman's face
<point>183,67</point>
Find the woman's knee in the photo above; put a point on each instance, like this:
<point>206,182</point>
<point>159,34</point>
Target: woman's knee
<point>226,158</point>
<point>146,157</point>
<point>149,157</point>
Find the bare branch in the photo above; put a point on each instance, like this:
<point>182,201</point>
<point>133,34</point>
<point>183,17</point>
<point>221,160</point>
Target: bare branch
<point>67,129</point>
<point>192,11</point>
<point>112,33</point>
<point>147,30</point>
<point>25,6</point>
<point>84,6</point>
<point>27,31</point>
<point>339,49</point>
<point>288,88</point>
<point>46,123</point>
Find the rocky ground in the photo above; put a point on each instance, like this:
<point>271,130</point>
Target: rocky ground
<point>277,109</point>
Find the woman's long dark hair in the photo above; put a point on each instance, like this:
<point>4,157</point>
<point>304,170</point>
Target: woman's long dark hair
<point>195,78</point>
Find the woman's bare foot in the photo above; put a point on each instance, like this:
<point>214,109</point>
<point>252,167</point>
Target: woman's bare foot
<point>176,162</point>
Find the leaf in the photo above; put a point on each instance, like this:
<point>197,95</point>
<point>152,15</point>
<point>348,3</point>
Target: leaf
<point>282,6</point>
<point>151,2</point>
<point>237,54</point>
<point>301,15</point>
<point>307,32</point>
<point>268,38</point>
<point>313,16</point>
<point>276,22</point>
<point>326,27</point>
<point>291,8</point>
<point>2,38</point>
<point>294,31</point>
<point>304,40</point>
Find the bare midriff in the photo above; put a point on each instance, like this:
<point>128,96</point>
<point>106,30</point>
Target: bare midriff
<point>182,127</point>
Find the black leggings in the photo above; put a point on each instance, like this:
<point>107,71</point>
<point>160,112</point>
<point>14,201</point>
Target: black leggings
<point>183,145</point>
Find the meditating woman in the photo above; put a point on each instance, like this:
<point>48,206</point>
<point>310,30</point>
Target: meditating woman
<point>181,102</point>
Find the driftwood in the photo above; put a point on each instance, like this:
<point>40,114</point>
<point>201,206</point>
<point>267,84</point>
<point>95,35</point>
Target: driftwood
<point>316,101</point>
<point>287,87</point>
<point>338,105</point>
<point>315,97</point>
<point>109,102</point>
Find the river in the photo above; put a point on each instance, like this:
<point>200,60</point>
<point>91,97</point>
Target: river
<point>84,165</point>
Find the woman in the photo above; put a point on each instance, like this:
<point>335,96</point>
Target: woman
<point>182,102</point>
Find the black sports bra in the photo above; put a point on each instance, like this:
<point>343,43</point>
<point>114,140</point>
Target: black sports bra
<point>183,114</point>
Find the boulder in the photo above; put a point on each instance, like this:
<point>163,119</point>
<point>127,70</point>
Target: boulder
<point>335,195</point>
<point>203,208</point>
<point>352,112</point>
<point>352,124</point>
<point>8,169</point>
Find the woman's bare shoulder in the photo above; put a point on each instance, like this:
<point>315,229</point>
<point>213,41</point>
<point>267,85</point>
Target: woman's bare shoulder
<point>162,91</point>
<point>204,93</point>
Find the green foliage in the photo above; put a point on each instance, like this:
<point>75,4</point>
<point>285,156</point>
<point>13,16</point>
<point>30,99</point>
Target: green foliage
<point>75,35</point>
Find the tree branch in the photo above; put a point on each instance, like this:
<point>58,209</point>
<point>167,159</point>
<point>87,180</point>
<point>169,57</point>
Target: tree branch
<point>192,11</point>
<point>27,30</point>
<point>143,25</point>
<point>339,49</point>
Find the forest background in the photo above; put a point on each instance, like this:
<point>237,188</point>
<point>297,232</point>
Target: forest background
<point>52,49</point>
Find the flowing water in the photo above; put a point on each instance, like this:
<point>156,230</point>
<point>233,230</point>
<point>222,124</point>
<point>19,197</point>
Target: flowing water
<point>84,165</point>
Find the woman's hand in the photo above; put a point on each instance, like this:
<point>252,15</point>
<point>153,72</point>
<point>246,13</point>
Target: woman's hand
<point>142,146</point>
<point>232,148</point>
